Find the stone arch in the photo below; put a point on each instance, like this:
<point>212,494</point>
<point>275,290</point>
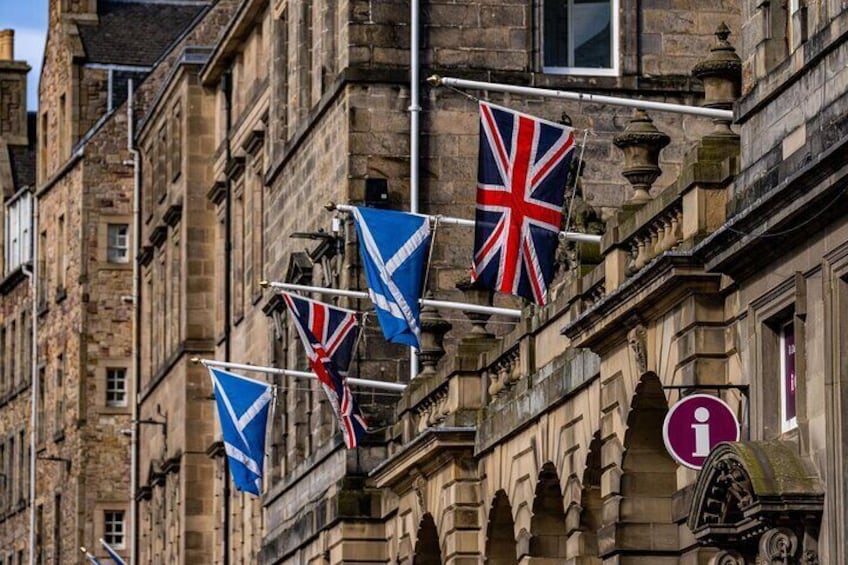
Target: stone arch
<point>648,479</point>
<point>547,526</point>
<point>501,548</point>
<point>427,549</point>
<point>584,519</point>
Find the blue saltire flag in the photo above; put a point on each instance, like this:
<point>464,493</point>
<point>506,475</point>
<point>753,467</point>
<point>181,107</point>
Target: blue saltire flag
<point>329,337</point>
<point>394,248</point>
<point>243,406</point>
<point>112,553</point>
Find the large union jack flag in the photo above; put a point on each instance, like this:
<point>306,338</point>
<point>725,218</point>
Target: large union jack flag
<point>329,336</point>
<point>521,179</point>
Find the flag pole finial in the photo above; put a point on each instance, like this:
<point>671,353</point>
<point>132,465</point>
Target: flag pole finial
<point>264,284</point>
<point>330,206</point>
<point>434,80</point>
<point>195,360</point>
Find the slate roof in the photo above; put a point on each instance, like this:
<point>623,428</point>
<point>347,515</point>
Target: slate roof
<point>135,32</point>
<point>22,158</point>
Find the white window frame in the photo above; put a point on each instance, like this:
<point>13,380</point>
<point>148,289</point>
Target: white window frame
<point>110,531</point>
<point>18,244</point>
<point>109,389</point>
<point>586,71</point>
<point>113,246</point>
<point>787,424</point>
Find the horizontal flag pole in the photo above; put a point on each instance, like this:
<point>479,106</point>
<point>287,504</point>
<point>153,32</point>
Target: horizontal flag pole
<point>569,235</point>
<point>463,306</point>
<point>383,385</point>
<point>436,80</point>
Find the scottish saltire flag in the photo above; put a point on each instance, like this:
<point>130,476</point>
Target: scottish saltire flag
<point>329,336</point>
<point>243,406</point>
<point>394,248</point>
<point>522,173</point>
<point>112,553</point>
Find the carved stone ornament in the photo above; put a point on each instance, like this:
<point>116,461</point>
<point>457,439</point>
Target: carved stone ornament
<point>760,499</point>
<point>637,339</point>
<point>778,546</point>
<point>419,485</point>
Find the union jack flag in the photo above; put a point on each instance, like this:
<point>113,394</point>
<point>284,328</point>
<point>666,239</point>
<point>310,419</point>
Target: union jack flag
<point>521,178</point>
<point>329,336</point>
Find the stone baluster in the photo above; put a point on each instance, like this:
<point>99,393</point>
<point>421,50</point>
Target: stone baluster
<point>676,230</point>
<point>641,255</point>
<point>641,143</point>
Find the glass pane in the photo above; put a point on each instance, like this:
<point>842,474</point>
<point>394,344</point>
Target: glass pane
<point>555,42</point>
<point>592,34</point>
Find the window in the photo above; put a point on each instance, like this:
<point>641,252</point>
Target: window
<point>177,143</point>
<point>113,528</point>
<point>59,412</point>
<point>40,428</point>
<point>57,528</point>
<point>788,381</point>
<point>60,256</point>
<point>18,225</point>
<point>118,243</point>
<point>42,281</point>
<point>580,37</point>
<point>116,387</point>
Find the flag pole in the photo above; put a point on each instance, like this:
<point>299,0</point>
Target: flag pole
<point>463,306</point>
<point>382,385</point>
<point>569,235</point>
<point>436,80</point>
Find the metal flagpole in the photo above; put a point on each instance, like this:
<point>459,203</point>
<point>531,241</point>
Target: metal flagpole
<point>436,80</point>
<point>382,385</point>
<point>570,235</point>
<point>511,312</point>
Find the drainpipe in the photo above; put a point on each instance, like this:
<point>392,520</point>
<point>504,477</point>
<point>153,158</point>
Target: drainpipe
<point>414,132</point>
<point>228,256</point>
<point>34,385</point>
<point>136,321</point>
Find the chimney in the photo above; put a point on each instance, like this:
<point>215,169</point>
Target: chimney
<point>13,75</point>
<point>7,45</point>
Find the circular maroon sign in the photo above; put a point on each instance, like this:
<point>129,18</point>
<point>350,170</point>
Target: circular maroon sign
<point>694,425</point>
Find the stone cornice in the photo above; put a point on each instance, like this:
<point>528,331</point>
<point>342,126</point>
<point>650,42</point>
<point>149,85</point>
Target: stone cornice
<point>426,453</point>
<point>648,294</point>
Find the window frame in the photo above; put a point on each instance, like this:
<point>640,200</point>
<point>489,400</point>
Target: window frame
<point>108,535</point>
<point>107,389</point>
<point>615,55</point>
<point>111,245</point>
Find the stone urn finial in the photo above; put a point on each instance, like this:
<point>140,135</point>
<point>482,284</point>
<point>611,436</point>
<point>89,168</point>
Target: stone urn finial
<point>641,143</point>
<point>721,73</point>
<point>433,330</point>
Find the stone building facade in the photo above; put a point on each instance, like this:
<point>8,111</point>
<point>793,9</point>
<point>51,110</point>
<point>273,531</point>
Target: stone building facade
<point>721,268</point>
<point>17,181</point>
<point>75,189</point>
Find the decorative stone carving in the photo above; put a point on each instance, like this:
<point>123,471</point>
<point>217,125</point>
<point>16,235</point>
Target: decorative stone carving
<point>637,340</point>
<point>778,546</point>
<point>419,485</point>
<point>721,73</point>
<point>641,143</point>
<point>810,557</point>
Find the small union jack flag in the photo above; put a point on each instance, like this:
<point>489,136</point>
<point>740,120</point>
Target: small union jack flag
<point>329,336</point>
<point>521,179</point>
